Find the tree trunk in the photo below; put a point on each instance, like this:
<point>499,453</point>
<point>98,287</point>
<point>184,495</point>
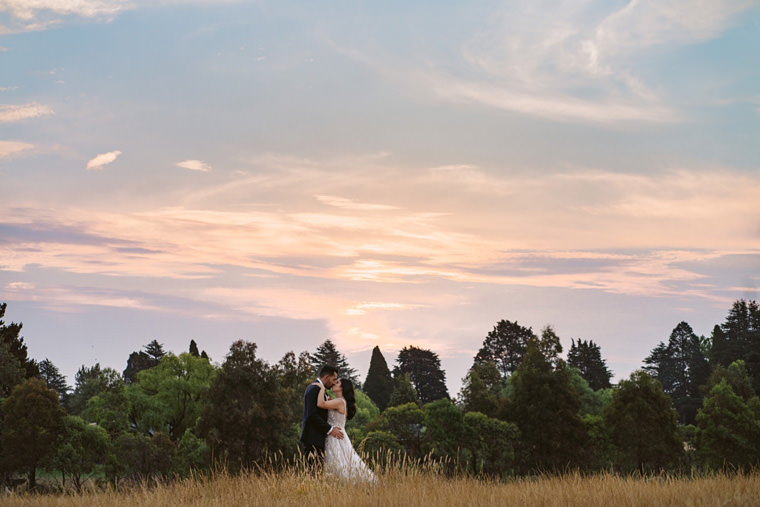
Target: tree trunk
<point>32,479</point>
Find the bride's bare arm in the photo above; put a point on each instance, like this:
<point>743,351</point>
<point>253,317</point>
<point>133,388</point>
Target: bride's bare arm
<point>333,404</point>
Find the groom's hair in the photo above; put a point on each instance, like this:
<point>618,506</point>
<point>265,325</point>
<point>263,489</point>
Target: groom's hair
<point>327,370</point>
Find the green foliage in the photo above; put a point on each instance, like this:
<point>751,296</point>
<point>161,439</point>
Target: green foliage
<point>592,402</point>
<point>15,365</point>
<point>32,423</point>
<point>642,425</point>
<point>586,357</point>
<point>737,377</point>
<point>424,369</point>
<point>381,447</point>
<point>109,408</point>
<point>483,390</point>
<point>245,418</point>
<point>739,338</point>
<point>54,380</point>
<point>81,447</point>
<point>366,412</point>
<point>728,429</point>
<point>681,368</point>
<point>403,392</point>
<point>444,428</point>
<point>192,454</point>
<point>379,383</point>
<point>295,373</point>
<point>328,354</point>
<point>489,445</point>
<point>137,457</point>
<point>549,345</point>
<point>169,397</point>
<point>505,346</point>
<point>405,423</point>
<point>546,409</point>
<point>143,360</point>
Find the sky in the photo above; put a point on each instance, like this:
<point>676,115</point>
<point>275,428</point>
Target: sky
<point>378,173</point>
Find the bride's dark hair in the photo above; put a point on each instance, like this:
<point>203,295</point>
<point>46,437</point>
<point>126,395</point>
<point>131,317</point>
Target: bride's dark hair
<point>350,396</point>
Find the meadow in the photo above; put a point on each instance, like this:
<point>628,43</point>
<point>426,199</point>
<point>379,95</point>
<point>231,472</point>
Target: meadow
<point>412,486</point>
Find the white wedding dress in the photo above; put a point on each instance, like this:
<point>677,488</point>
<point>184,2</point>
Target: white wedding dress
<point>341,460</point>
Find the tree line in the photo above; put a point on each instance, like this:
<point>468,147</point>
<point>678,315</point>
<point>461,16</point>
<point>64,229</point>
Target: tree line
<point>522,409</point>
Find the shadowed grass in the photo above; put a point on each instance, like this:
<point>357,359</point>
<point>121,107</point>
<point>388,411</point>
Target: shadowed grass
<point>403,483</point>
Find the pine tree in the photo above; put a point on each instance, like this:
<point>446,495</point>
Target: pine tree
<point>54,380</point>
<point>142,360</point>
<point>328,354</point>
<point>586,357</point>
<point>15,358</point>
<point>739,338</point>
<point>379,383</point>
<point>194,349</point>
<point>403,392</point>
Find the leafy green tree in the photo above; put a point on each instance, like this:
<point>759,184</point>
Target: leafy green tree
<point>14,355</point>
<point>444,429</point>
<point>109,408</point>
<point>32,423</point>
<point>681,368</point>
<point>169,397</point>
<point>81,447</point>
<point>381,447</point>
<point>143,360</point>
<point>295,373</point>
<point>549,345</point>
<point>728,429</point>
<point>505,346</point>
<point>424,369</point>
<point>586,357</point>
<point>489,444</point>
<point>403,392</point>
<point>54,380</point>
<point>366,412</point>
<point>88,382</point>
<point>245,418</point>
<point>379,383</point>
<point>405,423</point>
<point>546,409</point>
<point>192,454</point>
<point>137,457</point>
<point>737,377</point>
<point>483,390</point>
<point>643,425</point>
<point>326,353</point>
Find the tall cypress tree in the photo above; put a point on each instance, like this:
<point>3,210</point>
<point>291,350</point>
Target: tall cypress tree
<point>327,353</point>
<point>379,383</point>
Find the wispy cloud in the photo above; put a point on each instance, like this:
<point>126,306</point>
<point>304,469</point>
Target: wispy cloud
<point>194,165</point>
<point>13,148</point>
<point>102,159</point>
<point>12,113</point>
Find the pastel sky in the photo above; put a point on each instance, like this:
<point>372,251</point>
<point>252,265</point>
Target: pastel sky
<point>379,173</point>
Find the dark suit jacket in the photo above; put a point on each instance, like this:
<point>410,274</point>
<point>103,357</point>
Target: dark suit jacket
<point>314,425</point>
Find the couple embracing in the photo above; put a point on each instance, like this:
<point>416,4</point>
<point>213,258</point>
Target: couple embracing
<point>323,429</point>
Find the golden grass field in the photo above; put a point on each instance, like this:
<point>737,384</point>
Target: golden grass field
<point>409,486</point>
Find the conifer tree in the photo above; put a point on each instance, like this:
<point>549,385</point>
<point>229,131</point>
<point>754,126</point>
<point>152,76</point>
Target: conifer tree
<point>327,353</point>
<point>379,383</point>
<point>586,357</point>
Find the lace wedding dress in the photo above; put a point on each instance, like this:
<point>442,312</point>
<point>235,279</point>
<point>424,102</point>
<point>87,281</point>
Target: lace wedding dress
<point>341,459</point>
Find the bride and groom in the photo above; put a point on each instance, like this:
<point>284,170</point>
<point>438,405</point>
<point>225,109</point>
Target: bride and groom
<point>323,428</point>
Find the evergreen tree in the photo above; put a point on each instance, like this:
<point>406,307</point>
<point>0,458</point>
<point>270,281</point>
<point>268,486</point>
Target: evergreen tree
<point>549,345</point>
<point>328,354</point>
<point>54,380</point>
<point>193,350</point>
<point>546,408</point>
<point>681,368</point>
<point>483,389</point>
<point>739,338</point>
<point>643,425</point>
<point>379,383</point>
<point>586,357</point>
<point>14,355</point>
<point>142,360</point>
<point>87,383</point>
<point>81,447</point>
<point>505,346</point>
<point>424,369</point>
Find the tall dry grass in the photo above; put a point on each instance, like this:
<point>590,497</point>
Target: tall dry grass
<point>403,484</point>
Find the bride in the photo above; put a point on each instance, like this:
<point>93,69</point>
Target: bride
<point>341,459</point>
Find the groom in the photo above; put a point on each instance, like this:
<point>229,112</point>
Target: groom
<point>314,427</point>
